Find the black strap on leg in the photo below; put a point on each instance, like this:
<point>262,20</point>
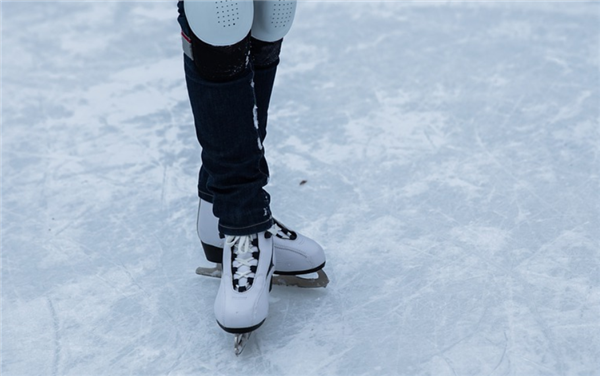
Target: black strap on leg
<point>264,55</point>
<point>221,63</point>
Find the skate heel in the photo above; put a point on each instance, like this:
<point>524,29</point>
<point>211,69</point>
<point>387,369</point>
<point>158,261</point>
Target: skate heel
<point>212,253</point>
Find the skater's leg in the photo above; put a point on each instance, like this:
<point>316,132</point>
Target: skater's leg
<point>232,153</point>
<point>220,86</point>
<point>264,58</point>
<point>296,253</point>
<point>270,23</point>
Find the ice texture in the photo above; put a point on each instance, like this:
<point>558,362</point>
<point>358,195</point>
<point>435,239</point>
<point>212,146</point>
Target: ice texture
<point>445,154</point>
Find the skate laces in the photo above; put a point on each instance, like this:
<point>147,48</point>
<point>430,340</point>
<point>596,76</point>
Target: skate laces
<point>283,232</point>
<point>244,260</point>
<point>244,257</point>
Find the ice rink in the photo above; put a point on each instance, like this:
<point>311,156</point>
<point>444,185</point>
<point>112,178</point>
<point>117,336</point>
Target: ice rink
<point>451,153</point>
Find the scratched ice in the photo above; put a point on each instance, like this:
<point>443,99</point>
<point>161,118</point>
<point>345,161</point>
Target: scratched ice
<point>450,159</point>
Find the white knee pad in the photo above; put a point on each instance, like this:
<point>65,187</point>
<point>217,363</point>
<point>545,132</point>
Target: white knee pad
<point>220,22</point>
<point>272,19</point>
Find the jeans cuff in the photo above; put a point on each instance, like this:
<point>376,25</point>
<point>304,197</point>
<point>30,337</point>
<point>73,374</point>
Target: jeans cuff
<point>205,196</point>
<point>248,230</point>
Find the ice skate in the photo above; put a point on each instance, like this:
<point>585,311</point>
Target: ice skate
<point>299,259</point>
<point>242,302</point>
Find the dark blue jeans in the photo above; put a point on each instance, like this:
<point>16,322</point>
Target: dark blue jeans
<point>230,116</point>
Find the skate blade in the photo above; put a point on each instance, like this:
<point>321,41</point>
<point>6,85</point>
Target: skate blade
<point>240,341</point>
<point>319,281</point>
<point>310,281</point>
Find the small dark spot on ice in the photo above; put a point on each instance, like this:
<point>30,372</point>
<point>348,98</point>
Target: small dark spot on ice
<point>302,182</point>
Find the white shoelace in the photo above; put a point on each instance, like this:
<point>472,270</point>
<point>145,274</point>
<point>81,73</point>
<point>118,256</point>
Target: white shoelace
<point>243,260</point>
<point>281,231</point>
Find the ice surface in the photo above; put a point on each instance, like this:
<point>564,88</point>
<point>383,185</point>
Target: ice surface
<point>451,159</point>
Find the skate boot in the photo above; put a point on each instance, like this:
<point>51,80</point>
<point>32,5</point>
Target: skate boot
<point>242,302</point>
<point>296,254</point>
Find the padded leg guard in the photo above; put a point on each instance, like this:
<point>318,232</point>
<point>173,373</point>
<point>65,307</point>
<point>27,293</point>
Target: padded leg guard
<point>273,19</point>
<point>220,23</point>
